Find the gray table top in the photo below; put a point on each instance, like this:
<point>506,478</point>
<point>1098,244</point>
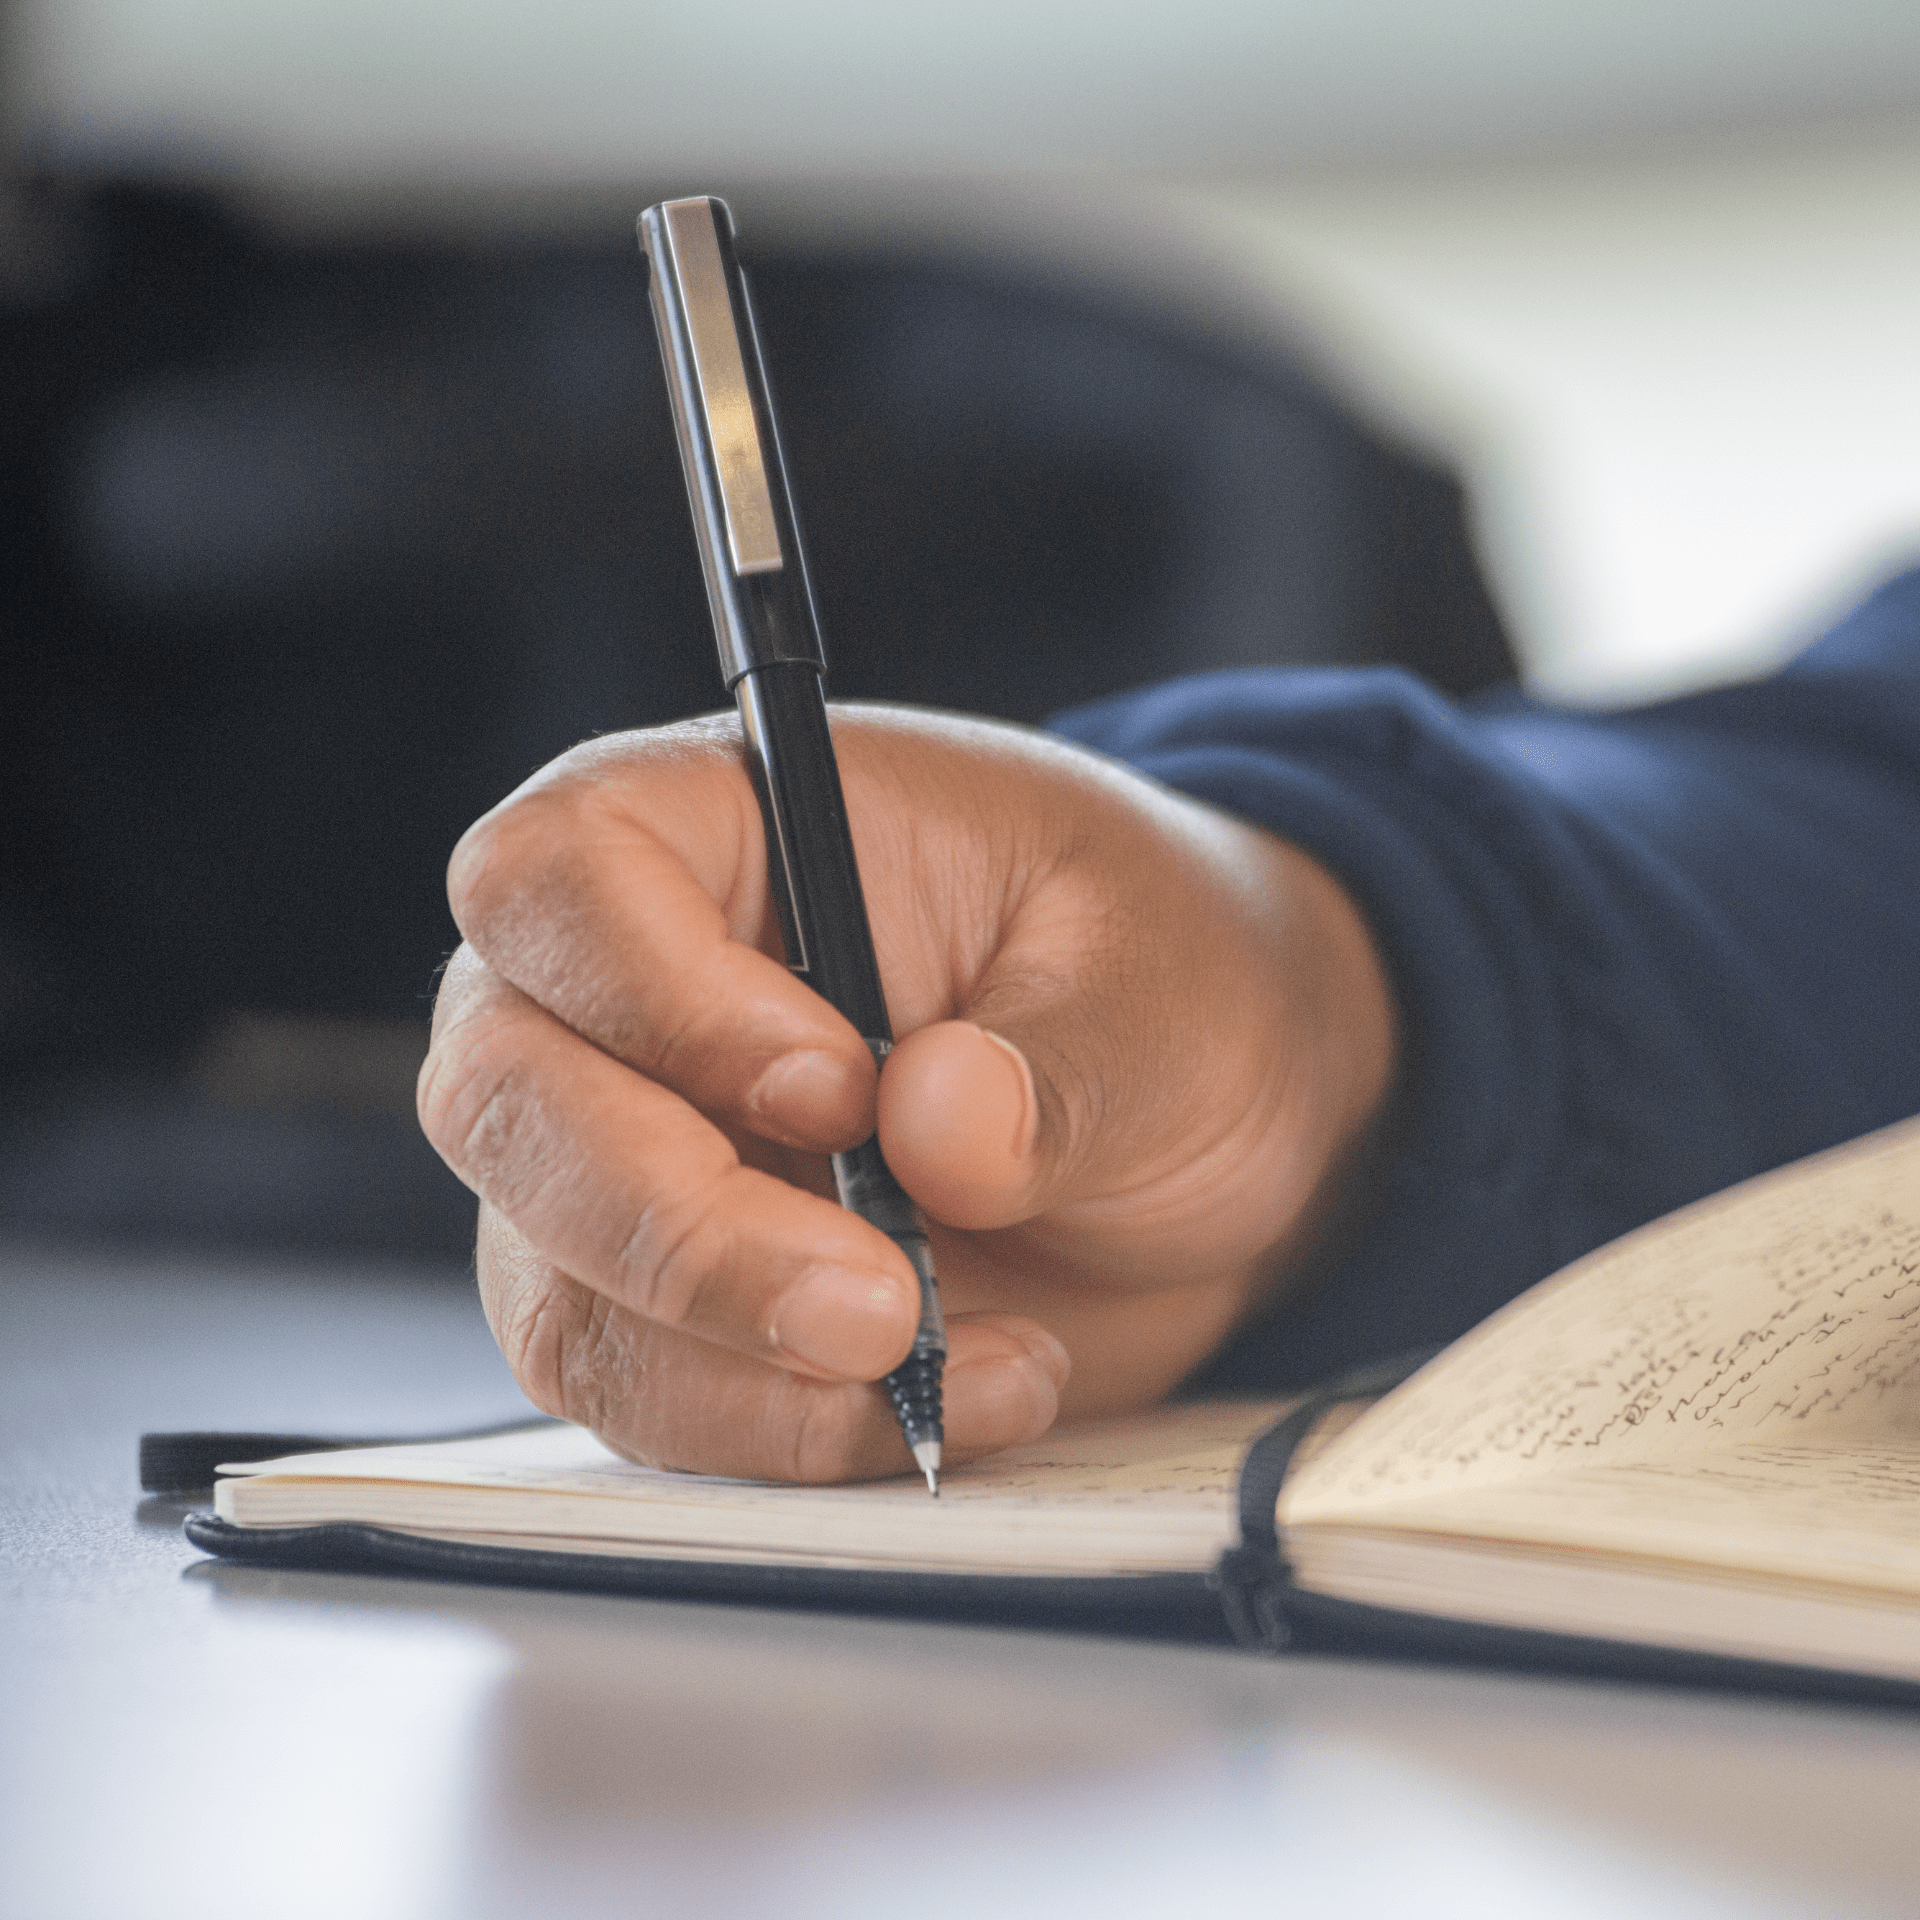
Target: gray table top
<point>177,1736</point>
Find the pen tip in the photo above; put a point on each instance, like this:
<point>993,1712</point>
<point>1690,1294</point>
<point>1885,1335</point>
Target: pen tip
<point>927,1456</point>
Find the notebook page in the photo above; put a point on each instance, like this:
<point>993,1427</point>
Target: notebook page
<point>1151,1492</point>
<point>1784,1313</point>
<point>1834,1517</point>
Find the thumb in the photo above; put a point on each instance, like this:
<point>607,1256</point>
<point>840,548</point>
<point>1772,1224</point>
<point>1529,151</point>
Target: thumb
<point>1188,1089</point>
<point>960,1125</point>
<point>1059,1089</point>
<point>1089,1062</point>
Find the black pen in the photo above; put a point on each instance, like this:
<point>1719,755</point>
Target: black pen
<point>775,668</point>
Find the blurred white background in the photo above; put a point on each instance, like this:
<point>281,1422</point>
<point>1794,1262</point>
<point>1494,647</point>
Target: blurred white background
<point>1683,388</point>
<point>572,87</point>
<point>1647,272</point>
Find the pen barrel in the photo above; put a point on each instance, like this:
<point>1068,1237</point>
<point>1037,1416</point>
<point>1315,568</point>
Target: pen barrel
<point>811,870</point>
<point>773,663</point>
<point>868,1188</point>
<point>814,879</point>
<point>730,451</point>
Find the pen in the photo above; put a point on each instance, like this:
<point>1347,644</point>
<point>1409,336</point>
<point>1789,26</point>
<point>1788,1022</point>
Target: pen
<point>775,668</point>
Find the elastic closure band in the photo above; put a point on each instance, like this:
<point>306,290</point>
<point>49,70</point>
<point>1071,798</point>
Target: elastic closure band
<point>1251,1578</point>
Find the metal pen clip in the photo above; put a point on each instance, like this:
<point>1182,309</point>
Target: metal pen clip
<point>694,280</point>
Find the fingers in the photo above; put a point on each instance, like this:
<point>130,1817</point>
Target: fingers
<point>1138,1038</point>
<point>624,1186</point>
<point>625,890</point>
<point>666,1399</point>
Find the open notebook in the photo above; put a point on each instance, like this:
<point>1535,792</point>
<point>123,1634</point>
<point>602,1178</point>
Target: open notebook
<point>1151,1494</point>
<point>1703,1440</point>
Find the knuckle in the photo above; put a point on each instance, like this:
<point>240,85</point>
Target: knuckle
<point>818,1442</point>
<point>678,1033</point>
<point>533,1338</point>
<point>677,1250</point>
<point>589,1363</point>
<point>562,1342</point>
<point>467,1098</point>
<point>465,986</point>
<point>468,866</point>
<point>496,856</point>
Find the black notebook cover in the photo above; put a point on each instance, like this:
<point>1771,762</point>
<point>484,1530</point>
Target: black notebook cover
<point>1248,1597</point>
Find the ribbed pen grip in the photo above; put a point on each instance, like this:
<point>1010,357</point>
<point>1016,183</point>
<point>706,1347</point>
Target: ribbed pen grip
<point>914,1387</point>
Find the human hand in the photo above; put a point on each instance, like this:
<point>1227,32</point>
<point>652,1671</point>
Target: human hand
<point>1138,1041</point>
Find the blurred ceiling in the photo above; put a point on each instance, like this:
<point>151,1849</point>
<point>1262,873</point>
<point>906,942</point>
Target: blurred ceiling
<point>581,88</point>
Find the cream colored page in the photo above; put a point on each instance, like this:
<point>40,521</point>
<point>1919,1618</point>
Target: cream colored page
<point>1786,1311</point>
<point>1836,1516</point>
<point>1168,1476</point>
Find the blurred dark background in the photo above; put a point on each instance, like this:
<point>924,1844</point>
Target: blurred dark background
<point>317,546</point>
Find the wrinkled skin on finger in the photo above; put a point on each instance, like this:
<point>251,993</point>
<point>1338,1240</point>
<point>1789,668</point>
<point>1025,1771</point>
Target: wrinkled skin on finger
<point>1138,1044</point>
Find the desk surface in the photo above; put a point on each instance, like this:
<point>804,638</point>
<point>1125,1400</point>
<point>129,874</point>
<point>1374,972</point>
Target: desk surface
<point>177,1736</point>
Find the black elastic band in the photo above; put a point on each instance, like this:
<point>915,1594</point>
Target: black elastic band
<point>183,1463</point>
<point>1251,1577</point>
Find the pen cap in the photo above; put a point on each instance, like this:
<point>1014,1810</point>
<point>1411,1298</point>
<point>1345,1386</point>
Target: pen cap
<point>729,445</point>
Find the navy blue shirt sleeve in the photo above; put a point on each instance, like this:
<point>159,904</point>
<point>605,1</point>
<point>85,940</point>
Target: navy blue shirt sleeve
<point>1638,955</point>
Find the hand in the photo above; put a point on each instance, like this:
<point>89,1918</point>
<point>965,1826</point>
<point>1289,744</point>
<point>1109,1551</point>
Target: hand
<point>1138,1041</point>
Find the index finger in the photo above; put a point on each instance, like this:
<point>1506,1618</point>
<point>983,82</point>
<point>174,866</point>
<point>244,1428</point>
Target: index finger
<point>630,1191</point>
<point>624,889</point>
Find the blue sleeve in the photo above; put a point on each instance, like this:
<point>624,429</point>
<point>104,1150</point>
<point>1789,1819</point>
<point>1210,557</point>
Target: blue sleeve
<point>1638,955</point>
